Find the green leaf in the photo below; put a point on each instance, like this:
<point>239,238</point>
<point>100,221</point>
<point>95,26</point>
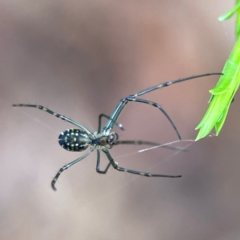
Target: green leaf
<point>222,95</point>
<point>230,13</point>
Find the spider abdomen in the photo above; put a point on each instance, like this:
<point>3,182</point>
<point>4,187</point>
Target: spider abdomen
<point>74,140</point>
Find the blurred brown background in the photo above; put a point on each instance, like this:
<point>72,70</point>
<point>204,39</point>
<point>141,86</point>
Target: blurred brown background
<point>79,58</point>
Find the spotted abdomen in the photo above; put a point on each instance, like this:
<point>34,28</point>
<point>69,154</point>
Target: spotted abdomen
<point>74,140</point>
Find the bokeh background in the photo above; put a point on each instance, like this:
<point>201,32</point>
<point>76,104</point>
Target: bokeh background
<point>80,58</point>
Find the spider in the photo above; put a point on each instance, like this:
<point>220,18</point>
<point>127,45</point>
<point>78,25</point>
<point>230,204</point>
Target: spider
<point>104,139</point>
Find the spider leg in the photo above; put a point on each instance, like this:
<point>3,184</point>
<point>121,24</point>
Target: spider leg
<point>132,98</point>
<point>166,84</point>
<point>65,167</point>
<point>56,115</point>
<point>140,142</point>
<point>124,101</point>
<point>145,174</point>
<point>157,106</point>
<point>108,117</point>
<point>98,165</point>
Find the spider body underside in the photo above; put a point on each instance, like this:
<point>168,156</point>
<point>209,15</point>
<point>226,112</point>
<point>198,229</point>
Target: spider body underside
<point>77,141</point>
<point>104,139</point>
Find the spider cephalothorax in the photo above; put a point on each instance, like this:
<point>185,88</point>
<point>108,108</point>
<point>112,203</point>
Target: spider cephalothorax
<point>107,141</point>
<point>102,140</point>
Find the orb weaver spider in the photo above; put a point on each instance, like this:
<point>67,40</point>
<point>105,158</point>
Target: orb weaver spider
<point>104,139</point>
